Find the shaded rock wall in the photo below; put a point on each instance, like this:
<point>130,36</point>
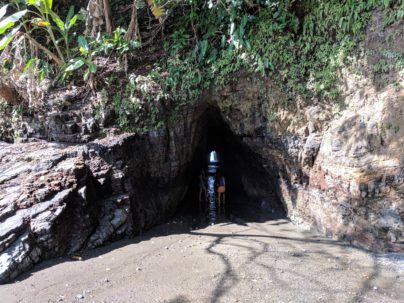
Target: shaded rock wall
<point>57,199</point>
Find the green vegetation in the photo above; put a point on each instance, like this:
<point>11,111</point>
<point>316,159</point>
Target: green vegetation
<point>137,104</point>
<point>37,15</point>
<point>389,60</point>
<point>194,45</point>
<point>393,11</point>
<point>302,54</point>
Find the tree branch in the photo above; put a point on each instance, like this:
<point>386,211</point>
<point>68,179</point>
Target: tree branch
<point>47,51</point>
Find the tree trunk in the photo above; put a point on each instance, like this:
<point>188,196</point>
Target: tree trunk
<point>95,18</point>
<point>133,29</point>
<point>107,16</point>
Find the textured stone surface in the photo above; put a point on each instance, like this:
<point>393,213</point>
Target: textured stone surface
<point>339,170</point>
<point>344,176</point>
<point>57,199</point>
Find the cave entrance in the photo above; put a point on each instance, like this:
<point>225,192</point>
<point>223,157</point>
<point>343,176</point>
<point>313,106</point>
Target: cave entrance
<point>250,187</point>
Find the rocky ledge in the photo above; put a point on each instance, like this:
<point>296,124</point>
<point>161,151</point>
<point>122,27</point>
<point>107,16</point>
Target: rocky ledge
<point>57,199</point>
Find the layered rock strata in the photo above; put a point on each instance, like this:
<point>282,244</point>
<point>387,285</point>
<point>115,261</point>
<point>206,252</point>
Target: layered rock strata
<point>57,199</point>
<point>337,166</point>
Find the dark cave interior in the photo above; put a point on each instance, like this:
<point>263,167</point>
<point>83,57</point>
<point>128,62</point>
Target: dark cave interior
<point>250,189</point>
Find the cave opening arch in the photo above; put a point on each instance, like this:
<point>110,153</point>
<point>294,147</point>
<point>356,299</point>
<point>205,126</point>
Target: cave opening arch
<point>251,188</point>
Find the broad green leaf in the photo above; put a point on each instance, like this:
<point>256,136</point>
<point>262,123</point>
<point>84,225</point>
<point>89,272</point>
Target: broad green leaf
<point>268,64</point>
<point>46,6</point>
<point>58,21</point>
<point>260,67</point>
<point>75,63</point>
<point>243,24</point>
<point>29,63</point>
<point>72,22</point>
<point>11,20</point>
<point>92,67</point>
<point>69,16</point>
<point>84,48</point>
<point>223,41</point>
<point>50,3</point>
<point>8,38</point>
<point>134,44</point>
<point>32,2</point>
<point>41,74</point>
<point>5,41</point>
<point>86,74</point>
<point>203,47</point>
<point>3,11</point>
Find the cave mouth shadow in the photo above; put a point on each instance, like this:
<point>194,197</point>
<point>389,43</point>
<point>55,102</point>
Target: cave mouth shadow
<point>250,187</point>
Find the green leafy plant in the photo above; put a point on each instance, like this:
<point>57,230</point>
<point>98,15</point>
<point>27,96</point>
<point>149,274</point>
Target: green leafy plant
<point>393,11</point>
<point>104,45</point>
<point>84,59</point>
<point>9,22</point>
<point>33,15</point>
<point>114,44</point>
<point>301,53</point>
<point>137,104</point>
<point>39,67</point>
<point>388,60</point>
<point>179,39</point>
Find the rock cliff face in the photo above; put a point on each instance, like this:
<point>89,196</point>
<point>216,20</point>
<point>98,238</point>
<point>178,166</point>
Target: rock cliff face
<point>341,173</point>
<point>339,170</point>
<point>57,199</point>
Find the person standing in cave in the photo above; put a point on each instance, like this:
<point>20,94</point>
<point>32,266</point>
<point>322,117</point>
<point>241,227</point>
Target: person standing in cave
<point>221,191</point>
<point>203,193</point>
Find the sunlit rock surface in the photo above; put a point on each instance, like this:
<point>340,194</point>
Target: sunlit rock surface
<point>339,169</point>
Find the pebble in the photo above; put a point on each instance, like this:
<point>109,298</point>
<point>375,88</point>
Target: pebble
<point>166,247</point>
<point>375,288</point>
<point>79,296</point>
<point>138,269</point>
<point>106,280</point>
